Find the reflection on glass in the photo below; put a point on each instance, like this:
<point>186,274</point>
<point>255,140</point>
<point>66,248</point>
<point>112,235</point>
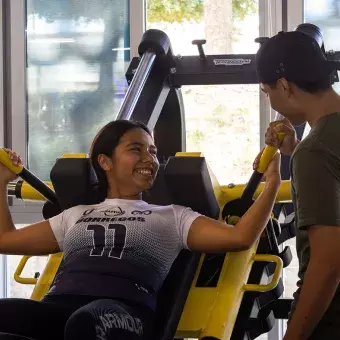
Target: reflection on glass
<point>34,265</point>
<point>326,15</point>
<point>228,26</point>
<point>221,121</point>
<point>76,61</point>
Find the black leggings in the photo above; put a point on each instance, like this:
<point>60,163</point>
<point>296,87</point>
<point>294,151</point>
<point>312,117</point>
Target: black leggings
<point>75,317</point>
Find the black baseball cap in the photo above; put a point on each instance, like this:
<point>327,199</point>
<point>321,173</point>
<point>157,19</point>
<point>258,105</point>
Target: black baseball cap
<point>295,56</point>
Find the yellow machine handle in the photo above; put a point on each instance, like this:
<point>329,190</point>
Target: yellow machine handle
<point>268,154</point>
<point>7,162</point>
<point>18,271</point>
<point>262,288</point>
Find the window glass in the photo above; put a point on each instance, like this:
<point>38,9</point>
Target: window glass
<point>326,15</point>
<point>76,61</point>
<point>221,121</point>
<point>34,265</point>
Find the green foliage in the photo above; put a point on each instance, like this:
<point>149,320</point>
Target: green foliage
<point>196,136</point>
<point>158,10</point>
<point>181,10</point>
<point>219,109</point>
<point>174,10</point>
<point>242,8</point>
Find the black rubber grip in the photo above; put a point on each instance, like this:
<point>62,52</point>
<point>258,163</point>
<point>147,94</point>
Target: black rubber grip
<point>39,185</point>
<point>251,186</point>
<point>18,189</point>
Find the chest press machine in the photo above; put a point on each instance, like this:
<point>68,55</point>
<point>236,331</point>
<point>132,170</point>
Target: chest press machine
<point>205,296</point>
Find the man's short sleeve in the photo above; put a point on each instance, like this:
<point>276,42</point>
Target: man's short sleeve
<point>184,219</point>
<point>316,181</point>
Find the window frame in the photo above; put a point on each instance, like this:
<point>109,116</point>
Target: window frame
<point>295,14</point>
<point>29,212</point>
<point>3,119</point>
<point>15,135</point>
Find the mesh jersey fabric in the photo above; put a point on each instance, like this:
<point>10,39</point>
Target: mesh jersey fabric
<point>119,248</point>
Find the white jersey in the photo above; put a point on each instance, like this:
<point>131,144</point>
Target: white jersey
<point>119,248</point>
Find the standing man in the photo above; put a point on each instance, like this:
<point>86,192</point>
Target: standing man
<point>297,79</point>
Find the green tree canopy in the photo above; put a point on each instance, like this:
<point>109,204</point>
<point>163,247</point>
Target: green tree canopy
<point>158,10</point>
<point>180,10</point>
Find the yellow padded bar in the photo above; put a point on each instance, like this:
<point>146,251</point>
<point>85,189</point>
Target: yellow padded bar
<point>212,311</point>
<point>74,155</point>
<point>268,154</point>
<point>234,191</point>
<point>30,194</point>
<point>6,161</point>
<point>18,272</point>
<point>47,277</point>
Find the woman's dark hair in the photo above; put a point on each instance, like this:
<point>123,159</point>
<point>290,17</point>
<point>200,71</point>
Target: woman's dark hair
<point>105,142</point>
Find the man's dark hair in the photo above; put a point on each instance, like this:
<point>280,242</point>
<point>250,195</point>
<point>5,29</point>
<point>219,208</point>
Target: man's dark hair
<point>298,58</point>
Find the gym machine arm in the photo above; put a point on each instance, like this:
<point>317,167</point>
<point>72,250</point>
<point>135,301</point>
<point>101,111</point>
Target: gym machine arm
<point>35,184</point>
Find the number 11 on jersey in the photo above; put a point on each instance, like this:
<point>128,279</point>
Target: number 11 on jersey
<point>101,239</point>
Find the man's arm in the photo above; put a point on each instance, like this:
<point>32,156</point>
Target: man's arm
<point>317,187</point>
<point>320,281</point>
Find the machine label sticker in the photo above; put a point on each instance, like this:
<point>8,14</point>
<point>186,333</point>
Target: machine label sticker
<point>232,62</point>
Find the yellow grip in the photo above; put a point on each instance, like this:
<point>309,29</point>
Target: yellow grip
<point>268,154</point>
<point>261,288</point>
<point>18,271</point>
<point>6,161</point>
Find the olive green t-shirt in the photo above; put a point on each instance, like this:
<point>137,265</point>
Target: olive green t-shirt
<point>315,171</point>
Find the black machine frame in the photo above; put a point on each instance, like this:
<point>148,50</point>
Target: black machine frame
<point>160,105</point>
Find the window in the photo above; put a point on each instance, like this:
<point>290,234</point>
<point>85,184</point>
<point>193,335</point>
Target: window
<point>325,14</point>
<point>76,61</point>
<point>34,265</point>
<point>221,121</point>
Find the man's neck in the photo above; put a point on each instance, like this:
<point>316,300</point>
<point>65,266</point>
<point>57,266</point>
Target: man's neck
<point>320,105</point>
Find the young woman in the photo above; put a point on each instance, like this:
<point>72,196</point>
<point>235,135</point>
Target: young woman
<point>118,252</point>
